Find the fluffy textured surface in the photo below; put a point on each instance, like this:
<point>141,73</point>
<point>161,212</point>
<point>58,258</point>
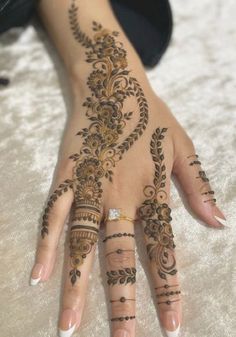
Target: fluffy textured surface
<point>197,78</point>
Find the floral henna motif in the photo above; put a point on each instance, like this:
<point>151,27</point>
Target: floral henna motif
<point>111,86</point>
<point>62,188</point>
<point>82,240</point>
<point>156,213</point>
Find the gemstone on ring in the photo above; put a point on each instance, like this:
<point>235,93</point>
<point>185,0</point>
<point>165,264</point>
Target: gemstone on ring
<point>114,214</point>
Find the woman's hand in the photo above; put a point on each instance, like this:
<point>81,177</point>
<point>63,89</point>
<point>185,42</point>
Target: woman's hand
<point>121,146</point>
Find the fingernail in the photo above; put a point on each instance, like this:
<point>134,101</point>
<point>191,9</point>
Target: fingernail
<point>121,333</point>
<point>36,274</point>
<point>174,333</point>
<point>221,221</point>
<point>67,323</point>
<point>171,323</point>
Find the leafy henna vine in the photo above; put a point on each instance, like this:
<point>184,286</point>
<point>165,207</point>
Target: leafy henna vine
<point>62,188</point>
<point>121,276</point>
<point>155,212</point>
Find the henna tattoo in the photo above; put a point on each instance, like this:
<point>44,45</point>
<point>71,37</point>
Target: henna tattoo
<point>84,227</point>
<point>170,293</point>
<point>121,276</point>
<point>120,251</point>
<point>213,199</point>
<point>208,192</point>
<point>168,302</point>
<point>121,319</point>
<point>118,235</point>
<point>203,177</point>
<point>195,162</point>
<point>81,244</point>
<point>62,188</point>
<point>110,85</point>
<point>122,300</point>
<point>155,212</point>
<point>166,286</point>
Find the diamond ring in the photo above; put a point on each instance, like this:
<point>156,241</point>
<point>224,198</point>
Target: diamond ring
<point>114,214</point>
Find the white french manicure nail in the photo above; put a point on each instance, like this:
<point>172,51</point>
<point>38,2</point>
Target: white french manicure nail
<point>174,333</point>
<point>221,221</point>
<point>67,333</point>
<point>34,281</point>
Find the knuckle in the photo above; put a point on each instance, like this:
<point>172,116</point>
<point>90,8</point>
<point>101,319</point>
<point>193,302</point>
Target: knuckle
<point>120,258</point>
<point>45,246</point>
<point>122,309</point>
<point>65,169</point>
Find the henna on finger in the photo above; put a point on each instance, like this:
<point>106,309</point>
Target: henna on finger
<point>121,276</point>
<point>169,302</point>
<point>118,235</point>
<point>122,300</point>
<point>120,251</point>
<point>123,318</point>
<point>82,240</point>
<point>62,188</point>
<point>204,179</point>
<point>156,213</point>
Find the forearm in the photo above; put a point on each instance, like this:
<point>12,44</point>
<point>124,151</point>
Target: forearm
<point>57,15</point>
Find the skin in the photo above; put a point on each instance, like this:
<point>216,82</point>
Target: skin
<point>131,174</point>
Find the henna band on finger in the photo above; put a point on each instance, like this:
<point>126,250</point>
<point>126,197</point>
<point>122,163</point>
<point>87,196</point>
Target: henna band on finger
<point>118,235</point>
<point>213,199</point>
<point>124,318</point>
<point>195,162</point>
<point>170,293</point>
<point>193,155</point>
<point>90,228</point>
<point>168,302</point>
<point>166,286</point>
<point>120,251</point>
<point>208,192</point>
<point>122,300</point>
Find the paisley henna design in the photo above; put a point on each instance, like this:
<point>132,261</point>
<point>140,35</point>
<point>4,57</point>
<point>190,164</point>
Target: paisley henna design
<point>62,188</point>
<point>155,212</point>
<point>118,235</point>
<point>121,319</point>
<point>121,276</point>
<point>111,86</point>
<point>81,244</point>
